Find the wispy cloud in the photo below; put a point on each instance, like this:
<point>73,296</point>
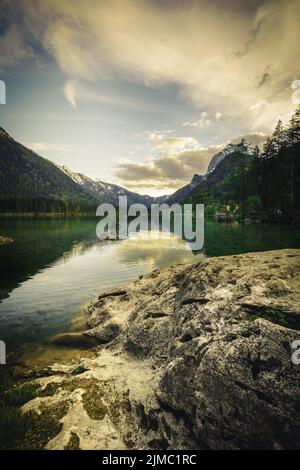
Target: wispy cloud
<point>75,91</point>
<point>70,92</point>
<point>195,47</point>
<point>13,48</point>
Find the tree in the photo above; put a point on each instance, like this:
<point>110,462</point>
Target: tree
<point>256,152</point>
<point>278,137</point>
<point>293,138</point>
<point>294,129</point>
<point>269,149</point>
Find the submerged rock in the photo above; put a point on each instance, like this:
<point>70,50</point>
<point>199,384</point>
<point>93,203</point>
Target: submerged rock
<point>76,340</point>
<point>195,356</point>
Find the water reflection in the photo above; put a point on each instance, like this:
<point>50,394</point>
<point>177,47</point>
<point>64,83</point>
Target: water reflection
<point>56,266</point>
<point>47,302</point>
<point>159,250</point>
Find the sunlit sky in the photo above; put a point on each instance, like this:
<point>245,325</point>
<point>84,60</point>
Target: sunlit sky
<point>143,92</point>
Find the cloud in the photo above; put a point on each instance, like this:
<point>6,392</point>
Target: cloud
<point>13,49</point>
<point>70,92</point>
<point>217,61</point>
<point>200,123</point>
<point>178,143</point>
<point>203,121</point>
<point>50,147</point>
<point>170,170</point>
<point>173,169</point>
<point>254,138</point>
<point>164,140</point>
<point>259,22</point>
<point>76,90</point>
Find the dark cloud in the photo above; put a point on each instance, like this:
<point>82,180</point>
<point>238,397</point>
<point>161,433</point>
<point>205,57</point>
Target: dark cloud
<point>252,36</point>
<point>264,78</point>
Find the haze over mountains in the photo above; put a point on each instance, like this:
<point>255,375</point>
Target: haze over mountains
<point>32,183</point>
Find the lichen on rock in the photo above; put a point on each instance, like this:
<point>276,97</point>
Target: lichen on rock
<point>192,356</point>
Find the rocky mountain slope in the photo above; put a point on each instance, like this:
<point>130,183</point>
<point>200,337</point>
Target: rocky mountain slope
<point>108,192</point>
<point>226,177</point>
<point>193,356</point>
<point>229,149</point>
<point>30,182</point>
<point>218,172</point>
<point>184,192</point>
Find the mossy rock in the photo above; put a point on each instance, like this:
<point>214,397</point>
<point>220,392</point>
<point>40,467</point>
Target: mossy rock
<point>74,442</point>
<point>93,404</point>
<point>41,428</point>
<point>279,317</point>
<point>69,384</point>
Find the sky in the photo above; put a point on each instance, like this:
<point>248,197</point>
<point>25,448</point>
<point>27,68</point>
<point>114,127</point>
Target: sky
<point>142,93</point>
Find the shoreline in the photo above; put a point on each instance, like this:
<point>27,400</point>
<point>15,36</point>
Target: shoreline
<point>33,215</point>
<point>220,220</point>
<point>5,240</point>
<point>177,351</point>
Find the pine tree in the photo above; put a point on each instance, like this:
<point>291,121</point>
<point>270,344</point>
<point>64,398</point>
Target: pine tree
<point>293,137</point>
<point>278,137</point>
<point>256,152</point>
<point>269,149</point>
<point>294,128</point>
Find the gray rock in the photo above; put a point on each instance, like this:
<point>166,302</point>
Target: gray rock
<point>196,356</point>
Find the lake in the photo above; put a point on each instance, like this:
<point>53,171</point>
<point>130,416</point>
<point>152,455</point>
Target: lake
<point>56,266</point>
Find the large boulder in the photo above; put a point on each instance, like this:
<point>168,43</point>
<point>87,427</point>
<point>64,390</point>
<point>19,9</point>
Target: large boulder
<point>192,356</point>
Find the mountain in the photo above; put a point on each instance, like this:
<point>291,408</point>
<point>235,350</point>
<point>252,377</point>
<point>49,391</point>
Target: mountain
<point>207,181</point>
<point>253,185</point>
<point>227,175</point>
<point>238,176</point>
<point>29,182</point>
<point>229,149</point>
<point>107,192</point>
<point>183,192</point>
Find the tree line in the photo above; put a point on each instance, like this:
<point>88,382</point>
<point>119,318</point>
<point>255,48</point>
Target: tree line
<point>263,186</point>
<point>277,171</point>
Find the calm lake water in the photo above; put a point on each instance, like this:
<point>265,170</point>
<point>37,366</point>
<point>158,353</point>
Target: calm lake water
<point>55,266</point>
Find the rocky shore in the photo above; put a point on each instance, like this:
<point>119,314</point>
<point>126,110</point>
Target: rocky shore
<point>189,357</point>
<point>5,240</point>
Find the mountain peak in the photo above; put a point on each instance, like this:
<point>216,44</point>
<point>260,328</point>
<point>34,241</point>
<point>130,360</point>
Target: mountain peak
<point>230,148</point>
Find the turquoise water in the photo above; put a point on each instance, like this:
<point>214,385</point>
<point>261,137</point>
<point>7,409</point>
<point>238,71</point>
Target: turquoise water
<point>55,266</point>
